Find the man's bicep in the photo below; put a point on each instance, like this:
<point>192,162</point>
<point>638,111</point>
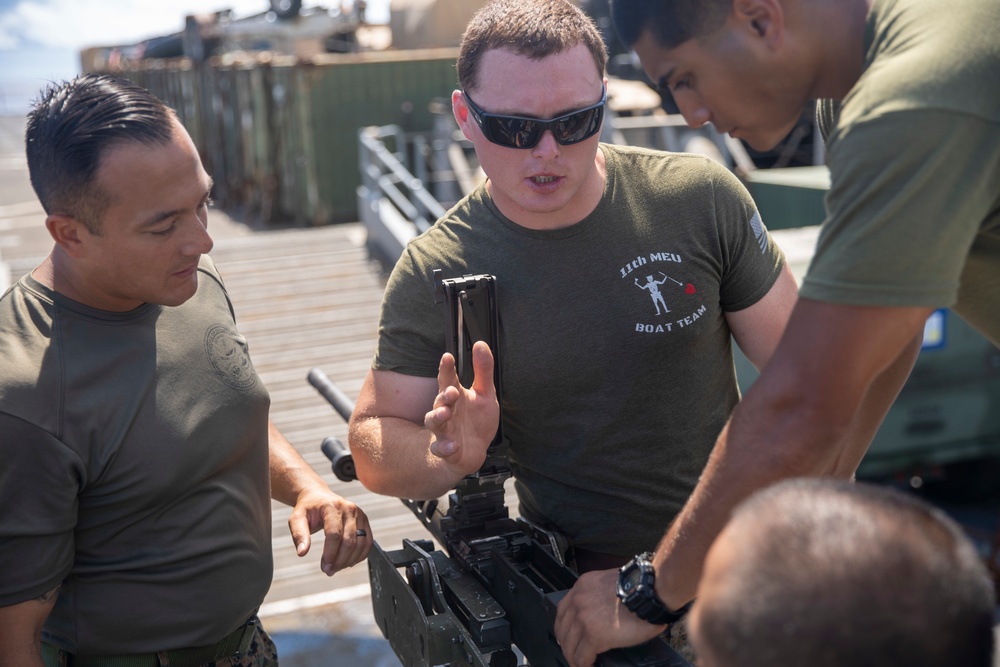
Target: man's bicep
<point>37,526</point>
<point>388,394</point>
<point>758,328</point>
<point>21,630</point>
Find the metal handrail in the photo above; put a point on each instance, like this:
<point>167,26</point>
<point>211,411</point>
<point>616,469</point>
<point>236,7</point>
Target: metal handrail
<point>393,204</point>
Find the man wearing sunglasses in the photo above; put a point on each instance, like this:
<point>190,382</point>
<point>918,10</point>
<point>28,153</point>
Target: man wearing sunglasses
<point>611,401</point>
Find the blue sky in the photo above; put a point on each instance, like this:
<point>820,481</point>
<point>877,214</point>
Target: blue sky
<point>40,40</point>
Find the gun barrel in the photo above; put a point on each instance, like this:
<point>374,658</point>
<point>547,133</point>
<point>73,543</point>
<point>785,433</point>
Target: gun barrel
<point>340,457</point>
<point>334,396</point>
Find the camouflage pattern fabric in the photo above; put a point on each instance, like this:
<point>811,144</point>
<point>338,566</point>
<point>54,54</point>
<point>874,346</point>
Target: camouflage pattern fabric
<point>260,653</point>
<point>677,637</point>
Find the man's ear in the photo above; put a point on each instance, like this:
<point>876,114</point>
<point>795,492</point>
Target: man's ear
<point>68,233</point>
<point>764,19</point>
<point>461,111</point>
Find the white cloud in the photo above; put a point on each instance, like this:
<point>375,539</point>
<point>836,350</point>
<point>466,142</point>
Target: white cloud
<point>8,31</point>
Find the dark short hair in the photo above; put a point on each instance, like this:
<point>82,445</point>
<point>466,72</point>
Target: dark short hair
<point>70,128</point>
<point>670,22</point>
<point>532,28</point>
<point>836,574</point>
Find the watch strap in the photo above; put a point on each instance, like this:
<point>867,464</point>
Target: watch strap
<point>653,610</point>
<point>643,600</point>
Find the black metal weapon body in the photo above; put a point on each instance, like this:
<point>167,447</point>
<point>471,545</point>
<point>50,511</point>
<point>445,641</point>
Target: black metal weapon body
<point>501,579</point>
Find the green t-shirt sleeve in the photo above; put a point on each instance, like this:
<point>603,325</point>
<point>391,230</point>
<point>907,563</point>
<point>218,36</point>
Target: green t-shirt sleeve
<point>39,481</point>
<point>909,192</point>
<point>751,260</point>
<point>411,325</point>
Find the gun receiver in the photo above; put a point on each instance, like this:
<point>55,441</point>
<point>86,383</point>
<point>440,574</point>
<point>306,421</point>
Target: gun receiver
<point>502,579</point>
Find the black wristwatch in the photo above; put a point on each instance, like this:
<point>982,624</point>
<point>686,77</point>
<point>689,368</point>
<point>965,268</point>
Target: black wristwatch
<point>637,592</point>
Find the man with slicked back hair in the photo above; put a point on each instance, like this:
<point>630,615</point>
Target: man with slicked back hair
<point>137,461</point>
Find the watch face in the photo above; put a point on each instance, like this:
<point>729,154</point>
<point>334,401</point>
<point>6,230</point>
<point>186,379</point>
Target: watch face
<point>631,578</point>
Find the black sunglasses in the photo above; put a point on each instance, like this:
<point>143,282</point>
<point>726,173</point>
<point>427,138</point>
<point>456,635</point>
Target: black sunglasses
<point>521,132</point>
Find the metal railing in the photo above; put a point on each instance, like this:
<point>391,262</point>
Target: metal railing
<point>393,204</point>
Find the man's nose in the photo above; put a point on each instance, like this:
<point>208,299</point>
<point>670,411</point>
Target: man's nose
<point>198,241</point>
<point>547,145</point>
<point>694,111</point>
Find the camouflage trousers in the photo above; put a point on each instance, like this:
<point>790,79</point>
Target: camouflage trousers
<point>677,637</point>
<point>260,653</point>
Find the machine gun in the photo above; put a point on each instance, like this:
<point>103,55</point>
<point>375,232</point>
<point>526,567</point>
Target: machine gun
<point>501,579</point>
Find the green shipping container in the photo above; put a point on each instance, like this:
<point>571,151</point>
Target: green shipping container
<point>279,134</point>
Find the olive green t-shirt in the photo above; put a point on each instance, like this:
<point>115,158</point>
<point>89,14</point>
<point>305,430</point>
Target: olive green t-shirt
<point>133,469</point>
<point>616,360</point>
<point>914,155</point>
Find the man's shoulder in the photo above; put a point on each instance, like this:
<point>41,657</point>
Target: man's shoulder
<point>912,64</point>
<point>30,355</point>
<point>24,314</point>
<point>207,267</point>
<point>460,224</point>
<point>212,292</point>
<point>655,175</point>
<point>655,165</point>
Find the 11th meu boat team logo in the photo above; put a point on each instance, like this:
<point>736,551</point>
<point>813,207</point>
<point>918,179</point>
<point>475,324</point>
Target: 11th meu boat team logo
<point>670,304</point>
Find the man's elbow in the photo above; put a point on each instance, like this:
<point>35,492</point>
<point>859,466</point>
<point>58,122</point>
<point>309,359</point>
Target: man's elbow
<point>376,468</point>
<point>363,438</point>
<point>371,479</point>
<point>374,473</point>
<point>811,426</point>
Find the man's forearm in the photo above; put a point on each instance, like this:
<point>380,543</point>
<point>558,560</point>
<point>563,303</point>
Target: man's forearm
<point>805,416</point>
<point>404,469</point>
<point>290,473</point>
<point>763,443</point>
<point>873,410</point>
<point>21,631</point>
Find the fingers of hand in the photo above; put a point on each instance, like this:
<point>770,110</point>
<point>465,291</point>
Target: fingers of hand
<point>570,634</point>
<point>343,546</point>
<point>298,526</point>
<point>438,421</point>
<point>447,372</point>
<point>341,522</point>
<point>482,367</point>
<point>590,620</point>
<point>447,397</point>
<point>444,448</point>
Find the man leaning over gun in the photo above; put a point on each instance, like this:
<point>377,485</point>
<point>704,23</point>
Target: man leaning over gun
<point>612,399</point>
<point>909,107</point>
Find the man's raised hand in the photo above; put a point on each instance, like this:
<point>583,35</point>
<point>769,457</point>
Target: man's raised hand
<point>464,420</point>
